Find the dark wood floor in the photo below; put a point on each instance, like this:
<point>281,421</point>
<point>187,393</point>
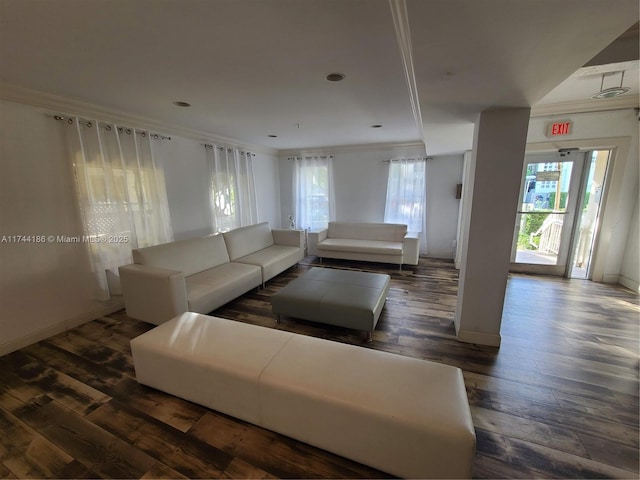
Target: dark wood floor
<point>558,399</point>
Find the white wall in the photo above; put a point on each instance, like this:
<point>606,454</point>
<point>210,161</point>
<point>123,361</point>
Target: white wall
<point>603,130</point>
<point>361,182</point>
<point>266,171</point>
<point>443,175</point>
<point>631,261</point>
<point>186,177</point>
<point>361,188</point>
<point>360,177</point>
<point>46,288</point>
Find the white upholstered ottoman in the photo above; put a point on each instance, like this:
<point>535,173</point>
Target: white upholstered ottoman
<point>404,416</point>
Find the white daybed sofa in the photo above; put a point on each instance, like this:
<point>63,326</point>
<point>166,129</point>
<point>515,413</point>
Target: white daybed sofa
<point>371,242</point>
<point>405,416</point>
<point>202,274</point>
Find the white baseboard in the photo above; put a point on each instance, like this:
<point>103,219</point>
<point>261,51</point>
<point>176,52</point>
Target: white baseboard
<point>59,327</point>
<point>629,283</point>
<point>481,338</point>
<point>610,278</point>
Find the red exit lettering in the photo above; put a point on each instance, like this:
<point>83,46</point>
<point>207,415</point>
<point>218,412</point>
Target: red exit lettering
<point>560,128</point>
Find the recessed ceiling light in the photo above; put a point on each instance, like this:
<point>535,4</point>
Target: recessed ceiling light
<point>272,136</point>
<point>182,104</point>
<point>335,77</point>
<point>376,126</point>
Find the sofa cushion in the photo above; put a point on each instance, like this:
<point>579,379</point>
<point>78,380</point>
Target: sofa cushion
<point>361,246</point>
<point>273,259</point>
<point>389,232</point>
<point>212,288</point>
<point>189,256</point>
<point>246,240</point>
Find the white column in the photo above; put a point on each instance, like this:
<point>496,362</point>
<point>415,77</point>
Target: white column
<point>496,167</point>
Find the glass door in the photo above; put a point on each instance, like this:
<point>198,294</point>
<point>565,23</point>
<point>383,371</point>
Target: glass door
<point>596,164</point>
<point>546,212</point>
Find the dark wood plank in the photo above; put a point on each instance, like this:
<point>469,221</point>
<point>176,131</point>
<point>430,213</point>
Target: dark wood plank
<point>273,453</point>
<point>160,470</point>
<point>72,393</point>
<point>27,454</point>
<point>548,461</point>
<point>185,454</point>
<point>5,472</point>
<point>238,468</point>
<point>558,438</point>
<point>95,352</point>
<point>104,453</point>
<point>611,453</point>
<point>119,385</point>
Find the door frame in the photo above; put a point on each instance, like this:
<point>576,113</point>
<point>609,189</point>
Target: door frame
<point>611,198</point>
<point>564,256</point>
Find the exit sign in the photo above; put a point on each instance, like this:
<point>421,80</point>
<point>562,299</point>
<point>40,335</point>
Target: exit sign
<point>558,129</point>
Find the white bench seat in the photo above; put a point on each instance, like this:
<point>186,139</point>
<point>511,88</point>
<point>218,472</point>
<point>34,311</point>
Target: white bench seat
<point>404,416</point>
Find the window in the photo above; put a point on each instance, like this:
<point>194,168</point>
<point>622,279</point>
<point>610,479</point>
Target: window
<point>125,192</point>
<point>121,194</point>
<point>406,193</point>
<point>313,192</point>
<point>232,188</point>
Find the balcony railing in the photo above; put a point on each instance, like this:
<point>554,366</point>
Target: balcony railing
<point>549,233</point>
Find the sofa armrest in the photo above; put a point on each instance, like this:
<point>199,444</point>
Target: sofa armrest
<point>153,294</point>
<point>315,237</point>
<point>411,248</point>
<point>291,238</point>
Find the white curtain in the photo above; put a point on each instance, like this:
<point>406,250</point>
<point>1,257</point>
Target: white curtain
<point>121,194</point>
<point>232,188</point>
<point>314,199</point>
<point>406,192</point>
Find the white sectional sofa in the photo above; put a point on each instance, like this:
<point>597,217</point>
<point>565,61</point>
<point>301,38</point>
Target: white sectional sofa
<point>202,274</point>
<point>404,416</point>
<point>372,242</point>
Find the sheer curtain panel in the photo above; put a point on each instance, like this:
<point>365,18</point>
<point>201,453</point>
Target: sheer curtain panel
<point>406,192</point>
<point>232,188</point>
<point>313,192</point>
<point>121,194</point>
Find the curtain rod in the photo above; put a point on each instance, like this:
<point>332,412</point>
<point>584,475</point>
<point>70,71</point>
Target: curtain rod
<point>309,157</point>
<point>108,127</point>
<point>401,159</point>
<point>208,146</point>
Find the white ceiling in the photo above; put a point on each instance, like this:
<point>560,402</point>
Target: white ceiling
<point>251,68</point>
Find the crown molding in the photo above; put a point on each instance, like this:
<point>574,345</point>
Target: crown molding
<point>403,35</point>
<point>57,104</point>
<point>586,106</point>
<point>349,148</point>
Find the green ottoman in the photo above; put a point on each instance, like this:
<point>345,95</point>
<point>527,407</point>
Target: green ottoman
<point>334,297</point>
